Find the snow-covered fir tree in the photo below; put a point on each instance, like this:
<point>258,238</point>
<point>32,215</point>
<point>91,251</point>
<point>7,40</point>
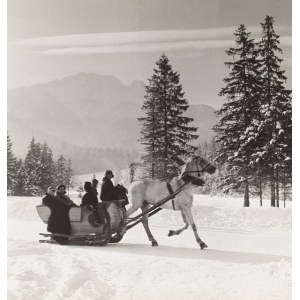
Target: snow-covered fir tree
<point>46,167</point>
<point>61,171</point>
<point>38,171</point>
<point>239,113</point>
<point>19,188</point>
<point>32,169</point>
<point>149,131</point>
<point>69,174</point>
<point>166,132</point>
<point>11,167</point>
<point>274,130</point>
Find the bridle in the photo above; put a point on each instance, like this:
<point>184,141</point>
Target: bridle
<point>188,179</point>
<point>198,171</point>
<point>169,177</point>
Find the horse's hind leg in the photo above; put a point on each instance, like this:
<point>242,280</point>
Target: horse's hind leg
<point>144,207</point>
<point>176,232</point>
<point>189,215</point>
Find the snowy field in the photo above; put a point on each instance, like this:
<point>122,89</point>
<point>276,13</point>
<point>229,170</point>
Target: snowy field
<point>248,257</point>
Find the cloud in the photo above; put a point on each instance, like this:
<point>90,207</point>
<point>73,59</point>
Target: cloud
<point>142,47</point>
<point>140,41</point>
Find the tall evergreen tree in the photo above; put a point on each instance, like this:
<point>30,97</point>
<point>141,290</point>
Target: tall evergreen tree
<point>46,167</point>
<point>19,188</point>
<point>166,132</point>
<point>32,169</point>
<point>149,130</point>
<point>234,131</point>
<point>11,167</point>
<point>275,127</point>
<point>69,174</point>
<point>61,171</point>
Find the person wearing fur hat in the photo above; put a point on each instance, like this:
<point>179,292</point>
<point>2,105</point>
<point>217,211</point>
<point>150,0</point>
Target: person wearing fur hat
<point>59,221</point>
<point>108,190</point>
<point>89,198</point>
<point>62,197</point>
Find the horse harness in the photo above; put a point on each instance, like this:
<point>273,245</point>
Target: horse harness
<point>171,192</point>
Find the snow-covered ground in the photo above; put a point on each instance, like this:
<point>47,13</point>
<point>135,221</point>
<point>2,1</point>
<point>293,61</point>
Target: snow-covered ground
<point>248,256</point>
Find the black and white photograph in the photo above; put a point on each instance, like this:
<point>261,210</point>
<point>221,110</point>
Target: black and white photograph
<point>149,150</point>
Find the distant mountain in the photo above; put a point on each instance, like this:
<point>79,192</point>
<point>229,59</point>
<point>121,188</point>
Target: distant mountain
<point>86,111</point>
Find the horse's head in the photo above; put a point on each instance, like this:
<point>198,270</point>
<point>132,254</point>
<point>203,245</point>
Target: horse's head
<point>195,166</point>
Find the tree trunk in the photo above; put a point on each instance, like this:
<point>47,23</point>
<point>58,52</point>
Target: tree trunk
<point>272,186</point>
<point>277,189</point>
<point>246,194</point>
<point>284,189</point>
<point>260,189</point>
<point>152,171</point>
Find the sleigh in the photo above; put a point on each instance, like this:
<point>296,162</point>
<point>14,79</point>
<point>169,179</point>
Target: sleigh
<point>85,231</point>
<point>86,228</point>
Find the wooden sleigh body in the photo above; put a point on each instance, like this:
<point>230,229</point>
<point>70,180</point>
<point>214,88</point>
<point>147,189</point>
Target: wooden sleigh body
<point>85,229</point>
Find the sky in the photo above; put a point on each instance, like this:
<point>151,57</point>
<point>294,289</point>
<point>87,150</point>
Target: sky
<point>51,39</point>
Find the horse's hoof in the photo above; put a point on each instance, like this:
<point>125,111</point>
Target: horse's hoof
<point>203,245</point>
<point>171,232</point>
<point>154,243</point>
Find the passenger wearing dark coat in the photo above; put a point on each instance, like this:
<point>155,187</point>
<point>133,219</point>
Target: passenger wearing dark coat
<point>108,190</point>
<point>89,198</point>
<point>62,197</point>
<point>59,220</point>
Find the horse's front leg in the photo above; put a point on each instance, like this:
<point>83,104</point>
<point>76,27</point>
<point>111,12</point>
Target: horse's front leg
<point>145,206</point>
<point>176,232</point>
<point>188,213</point>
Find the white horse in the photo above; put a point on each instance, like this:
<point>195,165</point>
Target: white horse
<point>148,192</point>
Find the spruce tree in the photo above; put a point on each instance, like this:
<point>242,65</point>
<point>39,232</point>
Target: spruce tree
<point>69,174</point>
<point>46,167</point>
<point>61,171</point>
<point>149,131</point>
<point>234,131</point>
<point>32,169</point>
<point>19,188</point>
<point>166,132</point>
<point>275,127</point>
<point>11,167</point>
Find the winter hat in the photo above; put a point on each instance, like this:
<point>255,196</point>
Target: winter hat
<point>60,186</point>
<point>109,172</point>
<point>87,185</point>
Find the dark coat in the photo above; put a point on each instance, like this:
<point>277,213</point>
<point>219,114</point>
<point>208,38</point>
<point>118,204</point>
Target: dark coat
<point>108,190</point>
<point>59,220</point>
<point>94,190</point>
<point>64,199</point>
<point>89,198</point>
